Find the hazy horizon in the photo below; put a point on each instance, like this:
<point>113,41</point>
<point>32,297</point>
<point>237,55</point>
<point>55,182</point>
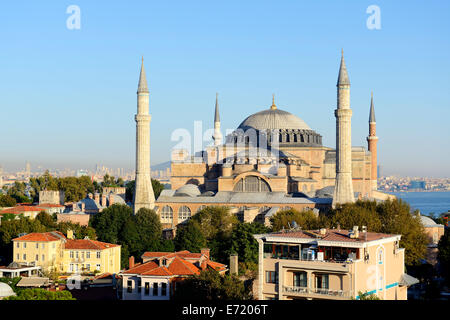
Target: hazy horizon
<point>68,97</point>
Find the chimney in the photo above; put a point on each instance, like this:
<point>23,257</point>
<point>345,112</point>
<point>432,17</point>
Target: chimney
<point>131,262</point>
<point>90,196</point>
<point>339,227</point>
<point>103,200</point>
<point>205,251</point>
<point>70,234</point>
<point>323,231</point>
<point>234,266</point>
<point>97,197</point>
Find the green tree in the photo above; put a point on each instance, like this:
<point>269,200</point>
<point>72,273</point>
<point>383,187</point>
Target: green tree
<point>7,201</point>
<point>396,218</point>
<point>360,213</point>
<point>367,296</point>
<point>157,186</point>
<point>18,191</point>
<point>136,233</point>
<point>444,255</point>
<point>210,285</point>
<point>307,220</point>
<point>41,294</point>
<point>189,237</point>
<point>46,220</point>
<point>245,245</point>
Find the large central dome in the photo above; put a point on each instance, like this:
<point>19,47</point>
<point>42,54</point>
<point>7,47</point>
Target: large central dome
<point>273,119</point>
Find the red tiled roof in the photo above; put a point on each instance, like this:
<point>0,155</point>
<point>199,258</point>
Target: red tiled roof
<point>41,237</point>
<point>88,244</point>
<point>331,235</point>
<point>51,205</point>
<point>22,209</point>
<point>178,266</point>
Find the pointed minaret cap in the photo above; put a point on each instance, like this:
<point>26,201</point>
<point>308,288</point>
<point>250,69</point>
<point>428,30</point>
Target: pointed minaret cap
<point>216,115</point>
<point>343,75</point>
<point>273,106</point>
<point>372,110</point>
<point>142,86</point>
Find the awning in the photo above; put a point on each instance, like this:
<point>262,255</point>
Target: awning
<point>33,282</point>
<point>407,280</point>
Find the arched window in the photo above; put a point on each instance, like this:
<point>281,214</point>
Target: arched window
<point>251,184</point>
<point>166,214</point>
<point>184,213</point>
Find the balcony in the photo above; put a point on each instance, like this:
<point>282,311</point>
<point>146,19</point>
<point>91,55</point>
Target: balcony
<point>317,293</point>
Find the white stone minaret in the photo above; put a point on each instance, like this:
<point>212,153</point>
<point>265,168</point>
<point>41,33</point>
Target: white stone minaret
<point>143,195</point>
<point>217,137</point>
<point>343,191</point>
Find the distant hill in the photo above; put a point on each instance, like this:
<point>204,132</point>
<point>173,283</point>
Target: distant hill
<point>161,166</point>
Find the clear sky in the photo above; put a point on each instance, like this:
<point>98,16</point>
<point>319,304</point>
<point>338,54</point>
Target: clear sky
<point>68,97</point>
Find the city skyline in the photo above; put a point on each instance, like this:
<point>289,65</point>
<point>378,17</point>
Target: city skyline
<point>80,94</point>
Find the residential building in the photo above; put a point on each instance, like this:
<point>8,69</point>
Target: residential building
<point>156,277</point>
<point>331,264</point>
<point>53,251</point>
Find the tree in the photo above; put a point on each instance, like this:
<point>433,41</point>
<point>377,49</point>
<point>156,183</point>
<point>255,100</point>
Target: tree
<point>18,191</point>
<point>216,224</point>
<point>444,255</point>
<point>46,220</point>
<point>157,186</point>
<point>367,296</point>
<point>7,201</point>
<point>360,213</point>
<point>305,219</point>
<point>41,294</point>
<point>245,245</point>
<point>136,233</point>
<point>210,285</point>
<point>396,218</point>
<point>190,237</point>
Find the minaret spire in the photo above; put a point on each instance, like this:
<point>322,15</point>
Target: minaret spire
<point>372,141</point>
<point>143,195</point>
<point>343,190</point>
<point>142,86</point>
<point>217,137</point>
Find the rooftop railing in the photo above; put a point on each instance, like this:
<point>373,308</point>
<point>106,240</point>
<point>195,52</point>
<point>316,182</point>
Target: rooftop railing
<point>319,291</point>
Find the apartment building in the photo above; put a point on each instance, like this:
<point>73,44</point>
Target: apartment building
<point>331,264</point>
<point>54,251</point>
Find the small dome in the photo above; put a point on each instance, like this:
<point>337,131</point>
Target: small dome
<point>326,192</point>
<point>188,190</point>
<point>427,222</point>
<point>5,290</point>
<point>273,119</point>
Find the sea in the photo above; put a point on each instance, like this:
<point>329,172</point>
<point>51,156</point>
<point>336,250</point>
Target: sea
<point>427,202</point>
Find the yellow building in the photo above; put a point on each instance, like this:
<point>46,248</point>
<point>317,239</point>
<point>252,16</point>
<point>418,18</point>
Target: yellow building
<point>331,264</point>
<point>53,251</point>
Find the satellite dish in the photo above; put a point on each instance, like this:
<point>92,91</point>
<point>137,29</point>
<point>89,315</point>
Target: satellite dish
<point>294,225</point>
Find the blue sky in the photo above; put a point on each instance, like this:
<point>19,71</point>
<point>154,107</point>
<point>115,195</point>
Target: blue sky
<point>68,97</point>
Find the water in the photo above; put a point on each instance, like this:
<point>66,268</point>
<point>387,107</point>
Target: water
<point>426,202</point>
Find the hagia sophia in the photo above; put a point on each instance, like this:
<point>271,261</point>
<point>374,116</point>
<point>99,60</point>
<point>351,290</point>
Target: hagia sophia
<point>273,161</point>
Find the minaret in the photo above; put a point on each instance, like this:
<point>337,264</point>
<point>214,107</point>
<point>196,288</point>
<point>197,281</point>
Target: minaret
<point>372,140</point>
<point>343,191</point>
<point>143,195</point>
<point>217,137</point>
